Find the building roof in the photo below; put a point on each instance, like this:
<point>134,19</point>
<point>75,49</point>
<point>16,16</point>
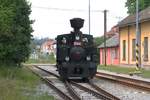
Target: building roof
<point>112,42</point>
<point>144,15</point>
<point>114,30</point>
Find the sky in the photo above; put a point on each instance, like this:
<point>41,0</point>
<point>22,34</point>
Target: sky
<point>52,17</point>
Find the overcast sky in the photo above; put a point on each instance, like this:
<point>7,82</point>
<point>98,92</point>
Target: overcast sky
<point>52,16</point>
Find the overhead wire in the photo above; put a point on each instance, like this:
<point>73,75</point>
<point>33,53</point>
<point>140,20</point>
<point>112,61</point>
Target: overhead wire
<point>64,9</point>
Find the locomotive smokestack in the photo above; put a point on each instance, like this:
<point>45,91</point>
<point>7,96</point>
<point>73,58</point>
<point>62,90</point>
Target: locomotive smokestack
<point>77,24</point>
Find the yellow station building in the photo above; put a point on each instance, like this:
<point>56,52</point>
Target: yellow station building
<point>127,31</point>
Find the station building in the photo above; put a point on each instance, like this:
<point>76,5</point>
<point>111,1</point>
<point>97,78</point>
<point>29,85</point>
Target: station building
<point>112,51</point>
<point>127,39</point>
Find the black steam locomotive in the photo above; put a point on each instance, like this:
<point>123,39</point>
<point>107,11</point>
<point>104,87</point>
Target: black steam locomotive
<point>76,54</point>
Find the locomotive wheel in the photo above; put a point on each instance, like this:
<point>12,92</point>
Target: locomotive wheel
<point>62,79</point>
<point>85,79</point>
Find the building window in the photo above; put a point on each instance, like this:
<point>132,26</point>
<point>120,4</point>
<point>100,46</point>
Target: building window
<point>124,50</point>
<point>133,49</point>
<point>145,48</point>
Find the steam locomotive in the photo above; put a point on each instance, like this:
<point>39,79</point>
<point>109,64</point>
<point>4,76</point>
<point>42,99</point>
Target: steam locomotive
<point>76,54</point>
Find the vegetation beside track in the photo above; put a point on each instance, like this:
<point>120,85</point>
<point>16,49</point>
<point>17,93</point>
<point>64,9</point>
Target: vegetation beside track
<point>44,59</point>
<point>20,84</point>
<point>124,70</point>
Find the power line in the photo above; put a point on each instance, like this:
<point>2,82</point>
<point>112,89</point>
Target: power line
<point>75,10</point>
<point>64,9</point>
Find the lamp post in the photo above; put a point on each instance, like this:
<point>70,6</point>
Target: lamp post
<point>89,17</point>
<point>105,31</point>
<point>137,36</point>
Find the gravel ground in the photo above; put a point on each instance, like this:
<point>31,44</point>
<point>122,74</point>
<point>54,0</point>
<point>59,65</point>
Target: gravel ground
<point>84,95</point>
<point>43,88</point>
<point>121,91</point>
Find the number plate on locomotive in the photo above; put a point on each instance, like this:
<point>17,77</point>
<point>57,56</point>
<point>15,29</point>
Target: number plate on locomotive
<point>77,43</point>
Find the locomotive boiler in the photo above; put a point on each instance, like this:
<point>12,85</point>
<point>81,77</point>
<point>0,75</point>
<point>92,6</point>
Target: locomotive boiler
<point>76,54</point>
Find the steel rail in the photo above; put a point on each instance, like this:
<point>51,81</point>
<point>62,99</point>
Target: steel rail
<point>102,91</point>
<point>139,84</point>
<point>47,71</point>
<point>127,78</point>
<point>49,83</point>
<point>96,94</point>
<point>61,93</point>
<point>72,92</point>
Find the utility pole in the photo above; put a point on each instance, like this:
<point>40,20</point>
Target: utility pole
<point>105,30</point>
<point>137,37</point>
<point>89,17</point>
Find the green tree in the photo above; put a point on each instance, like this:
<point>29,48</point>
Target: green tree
<point>131,5</point>
<point>98,41</point>
<point>15,31</point>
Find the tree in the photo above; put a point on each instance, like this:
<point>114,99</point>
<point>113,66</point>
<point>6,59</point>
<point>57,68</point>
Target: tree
<point>98,41</point>
<point>131,5</point>
<point>15,31</point>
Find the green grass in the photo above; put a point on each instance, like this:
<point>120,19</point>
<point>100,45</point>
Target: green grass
<point>44,59</point>
<point>20,84</point>
<point>124,70</point>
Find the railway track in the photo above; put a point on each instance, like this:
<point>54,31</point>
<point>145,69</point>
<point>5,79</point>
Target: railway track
<point>102,91</point>
<point>135,83</point>
<point>51,84</point>
<point>98,93</point>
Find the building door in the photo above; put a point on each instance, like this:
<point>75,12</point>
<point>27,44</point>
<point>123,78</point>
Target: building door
<point>103,56</point>
<point>112,55</point>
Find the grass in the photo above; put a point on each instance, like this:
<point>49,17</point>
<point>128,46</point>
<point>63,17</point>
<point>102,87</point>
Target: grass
<point>20,84</point>
<point>124,70</point>
<point>44,59</point>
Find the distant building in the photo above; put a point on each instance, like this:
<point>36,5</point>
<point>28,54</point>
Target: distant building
<point>48,47</point>
<point>127,31</point>
<point>34,56</point>
<point>114,30</point>
<point>112,51</point>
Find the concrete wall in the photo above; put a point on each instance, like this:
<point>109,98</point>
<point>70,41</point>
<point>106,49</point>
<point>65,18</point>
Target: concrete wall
<point>128,33</point>
<point>123,36</point>
<point>145,30</point>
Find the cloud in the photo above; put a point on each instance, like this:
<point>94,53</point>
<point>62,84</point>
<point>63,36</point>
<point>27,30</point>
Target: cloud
<point>53,18</point>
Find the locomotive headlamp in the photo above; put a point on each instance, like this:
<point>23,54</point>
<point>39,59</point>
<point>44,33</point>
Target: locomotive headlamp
<point>77,38</point>
<point>88,58</point>
<point>67,58</point>
<point>64,40</point>
<point>85,40</point>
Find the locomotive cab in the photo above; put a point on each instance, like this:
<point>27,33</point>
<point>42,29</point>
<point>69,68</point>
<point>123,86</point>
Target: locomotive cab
<point>76,54</point>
